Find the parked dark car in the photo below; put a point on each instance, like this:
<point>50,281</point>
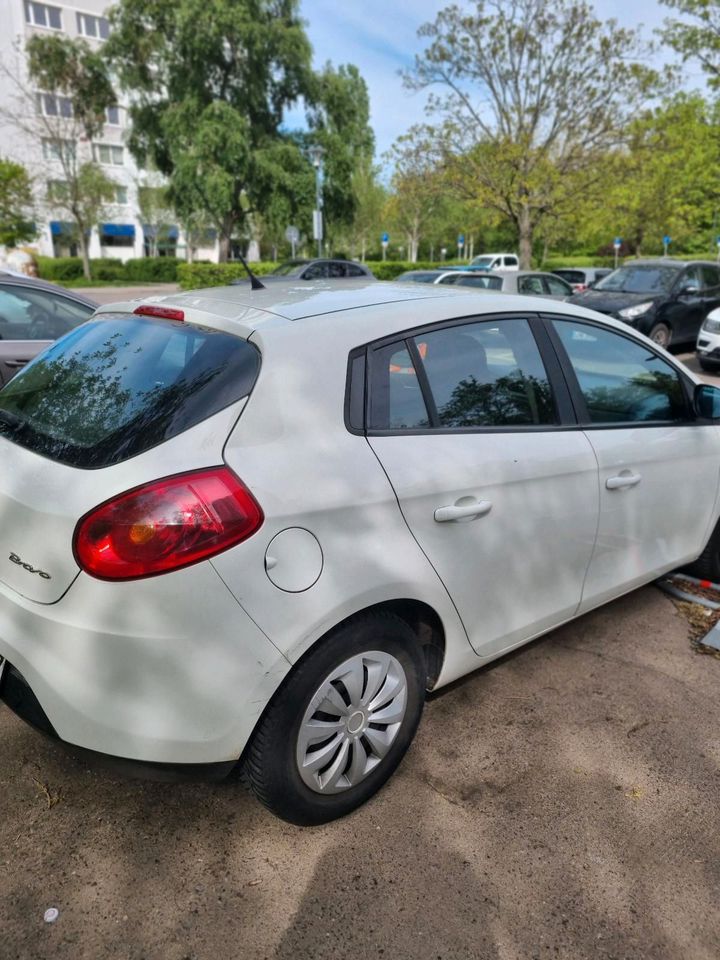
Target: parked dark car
<point>32,314</point>
<point>665,299</point>
<point>319,270</point>
<point>581,278</point>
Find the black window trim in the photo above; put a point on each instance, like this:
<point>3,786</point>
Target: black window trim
<point>573,384</point>
<point>566,419</point>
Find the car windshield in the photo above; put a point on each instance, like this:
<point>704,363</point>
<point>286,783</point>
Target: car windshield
<point>286,268</point>
<point>418,276</point>
<point>655,278</point>
<point>482,262</point>
<point>484,283</point>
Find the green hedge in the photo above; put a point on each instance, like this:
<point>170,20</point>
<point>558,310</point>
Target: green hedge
<point>107,269</point>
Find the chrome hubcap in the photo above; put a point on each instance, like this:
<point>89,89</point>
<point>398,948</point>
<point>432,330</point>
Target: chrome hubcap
<point>351,722</point>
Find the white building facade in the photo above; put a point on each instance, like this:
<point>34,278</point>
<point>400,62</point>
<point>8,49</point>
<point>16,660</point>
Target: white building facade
<point>121,234</point>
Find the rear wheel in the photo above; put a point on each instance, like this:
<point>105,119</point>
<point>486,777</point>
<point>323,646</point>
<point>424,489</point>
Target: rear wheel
<point>661,334</point>
<point>336,731</point>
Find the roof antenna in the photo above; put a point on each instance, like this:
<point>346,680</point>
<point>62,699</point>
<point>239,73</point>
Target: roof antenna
<point>254,282</point>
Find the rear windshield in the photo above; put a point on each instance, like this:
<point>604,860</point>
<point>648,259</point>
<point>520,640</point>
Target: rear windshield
<point>485,283</point>
<point>121,384</point>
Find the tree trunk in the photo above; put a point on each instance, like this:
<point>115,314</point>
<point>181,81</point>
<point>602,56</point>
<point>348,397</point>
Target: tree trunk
<point>364,247</point>
<point>83,244</point>
<point>525,238</point>
<point>224,247</point>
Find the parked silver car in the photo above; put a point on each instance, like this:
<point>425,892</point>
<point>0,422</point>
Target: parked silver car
<point>529,282</point>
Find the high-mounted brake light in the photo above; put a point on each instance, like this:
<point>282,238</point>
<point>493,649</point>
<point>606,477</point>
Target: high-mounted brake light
<point>165,525</point>
<point>166,313</point>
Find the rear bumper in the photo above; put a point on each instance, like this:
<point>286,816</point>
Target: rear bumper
<point>15,693</point>
<point>168,670</point>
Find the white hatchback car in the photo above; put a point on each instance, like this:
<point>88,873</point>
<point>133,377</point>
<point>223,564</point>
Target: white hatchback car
<point>258,526</point>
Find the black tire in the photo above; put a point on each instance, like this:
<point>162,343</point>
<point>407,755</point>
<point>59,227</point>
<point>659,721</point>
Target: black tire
<point>661,334</point>
<point>710,366</point>
<point>707,565</point>
<point>270,763</point>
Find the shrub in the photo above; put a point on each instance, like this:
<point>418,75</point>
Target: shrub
<point>60,269</point>
<point>193,276</point>
<point>152,269</point>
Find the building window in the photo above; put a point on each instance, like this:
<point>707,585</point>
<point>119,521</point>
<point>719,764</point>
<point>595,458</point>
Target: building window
<point>117,234</point>
<point>108,154</point>
<point>41,15</point>
<point>57,190</point>
<point>58,149</point>
<point>90,26</point>
<point>52,105</point>
<point>113,116</point>
<point>121,195</point>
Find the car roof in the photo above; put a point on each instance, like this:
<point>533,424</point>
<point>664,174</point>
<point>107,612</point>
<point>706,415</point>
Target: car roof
<point>19,280</point>
<point>244,312</point>
<point>668,262</point>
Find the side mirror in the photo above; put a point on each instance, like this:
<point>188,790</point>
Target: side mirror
<point>689,290</point>
<point>707,401</point>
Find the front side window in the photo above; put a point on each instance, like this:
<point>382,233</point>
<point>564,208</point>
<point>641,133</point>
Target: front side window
<point>29,314</point>
<point>318,271</point>
<point>511,261</point>
<point>483,374</point>
<point>621,381</point>
<point>557,287</point>
<point>531,285</point>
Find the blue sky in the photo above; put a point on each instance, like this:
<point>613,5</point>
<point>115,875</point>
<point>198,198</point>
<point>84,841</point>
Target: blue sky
<point>380,37</point>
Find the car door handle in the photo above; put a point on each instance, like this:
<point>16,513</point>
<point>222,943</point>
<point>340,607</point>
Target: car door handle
<point>15,363</point>
<point>463,511</point>
<point>622,481</point>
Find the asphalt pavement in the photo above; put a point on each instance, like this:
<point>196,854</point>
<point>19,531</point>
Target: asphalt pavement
<point>562,803</point>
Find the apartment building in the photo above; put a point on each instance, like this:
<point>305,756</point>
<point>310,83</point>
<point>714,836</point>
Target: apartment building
<point>121,234</point>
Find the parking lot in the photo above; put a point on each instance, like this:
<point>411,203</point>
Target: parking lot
<point>562,803</point>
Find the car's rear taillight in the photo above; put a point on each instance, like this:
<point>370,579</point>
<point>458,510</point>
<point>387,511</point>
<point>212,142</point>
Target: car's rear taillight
<point>167,524</point>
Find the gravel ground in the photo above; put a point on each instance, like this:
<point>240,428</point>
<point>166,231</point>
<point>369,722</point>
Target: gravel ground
<point>562,803</point>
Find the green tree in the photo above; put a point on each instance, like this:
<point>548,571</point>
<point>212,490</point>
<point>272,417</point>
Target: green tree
<point>525,103</point>
<point>155,210</point>
<point>16,204</point>
<point>419,194</point>
<point>77,78</point>
<point>339,122</point>
<point>663,181</point>
<point>210,82</point>
<point>697,37</point>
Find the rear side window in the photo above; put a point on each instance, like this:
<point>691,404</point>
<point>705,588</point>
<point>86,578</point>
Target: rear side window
<point>484,374</point>
<point>121,384</point>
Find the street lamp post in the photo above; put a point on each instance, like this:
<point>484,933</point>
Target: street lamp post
<point>316,157</point>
